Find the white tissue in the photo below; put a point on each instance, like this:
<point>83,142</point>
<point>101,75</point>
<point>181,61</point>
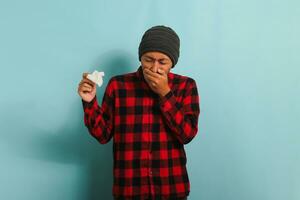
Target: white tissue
<point>96,77</point>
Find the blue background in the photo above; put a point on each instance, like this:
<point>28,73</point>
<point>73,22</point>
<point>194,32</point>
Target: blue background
<point>244,56</point>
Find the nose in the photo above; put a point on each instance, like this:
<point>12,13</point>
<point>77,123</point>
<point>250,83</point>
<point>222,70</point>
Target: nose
<point>154,67</point>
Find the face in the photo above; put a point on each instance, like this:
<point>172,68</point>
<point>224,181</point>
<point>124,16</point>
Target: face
<point>155,60</point>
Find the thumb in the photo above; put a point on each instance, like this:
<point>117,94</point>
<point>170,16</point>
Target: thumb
<point>84,75</point>
<point>160,71</point>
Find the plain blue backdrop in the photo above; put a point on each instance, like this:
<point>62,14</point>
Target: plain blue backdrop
<point>244,56</point>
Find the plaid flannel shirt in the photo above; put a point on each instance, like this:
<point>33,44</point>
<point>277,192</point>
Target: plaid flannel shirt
<point>148,134</point>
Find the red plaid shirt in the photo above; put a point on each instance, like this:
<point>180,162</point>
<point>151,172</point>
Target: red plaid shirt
<point>148,133</point>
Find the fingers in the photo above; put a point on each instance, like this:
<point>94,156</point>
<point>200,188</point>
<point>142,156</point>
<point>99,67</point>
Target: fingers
<point>151,82</point>
<point>85,87</point>
<point>86,80</point>
<point>155,78</point>
<point>161,72</point>
<point>152,74</point>
<point>152,79</point>
<point>84,75</point>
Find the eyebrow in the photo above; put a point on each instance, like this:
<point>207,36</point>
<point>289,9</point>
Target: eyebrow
<point>161,59</point>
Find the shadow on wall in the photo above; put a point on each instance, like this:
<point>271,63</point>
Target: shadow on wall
<point>71,143</point>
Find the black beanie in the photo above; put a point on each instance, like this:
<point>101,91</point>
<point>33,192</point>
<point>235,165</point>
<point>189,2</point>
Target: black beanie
<point>162,39</point>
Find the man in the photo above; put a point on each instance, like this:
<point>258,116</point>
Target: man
<point>151,114</point>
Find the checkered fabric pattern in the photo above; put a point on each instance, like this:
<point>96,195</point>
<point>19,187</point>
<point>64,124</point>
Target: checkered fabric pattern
<point>148,134</point>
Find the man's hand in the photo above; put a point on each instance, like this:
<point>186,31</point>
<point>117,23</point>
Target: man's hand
<point>158,82</point>
<point>86,88</point>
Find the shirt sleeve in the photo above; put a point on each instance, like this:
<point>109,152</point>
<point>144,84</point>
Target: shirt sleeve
<point>99,120</point>
<point>182,117</point>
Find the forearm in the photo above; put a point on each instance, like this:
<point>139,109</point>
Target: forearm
<point>96,121</point>
<point>181,118</point>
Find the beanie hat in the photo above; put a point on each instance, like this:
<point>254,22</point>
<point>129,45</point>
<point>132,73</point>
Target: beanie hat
<point>162,39</point>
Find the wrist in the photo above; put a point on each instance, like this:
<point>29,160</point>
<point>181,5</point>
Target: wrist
<point>164,92</point>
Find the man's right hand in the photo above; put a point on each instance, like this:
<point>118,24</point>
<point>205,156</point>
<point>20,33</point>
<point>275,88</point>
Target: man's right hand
<point>86,88</point>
